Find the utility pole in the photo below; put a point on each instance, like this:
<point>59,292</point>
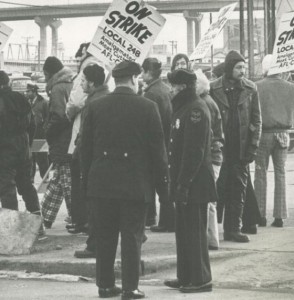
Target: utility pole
<point>173,46</point>
<point>211,48</point>
<point>27,51</point>
<point>250,38</point>
<point>265,26</point>
<point>242,28</point>
<point>271,14</point>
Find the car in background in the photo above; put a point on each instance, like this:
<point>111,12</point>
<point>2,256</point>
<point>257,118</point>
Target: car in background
<point>41,83</point>
<point>18,83</point>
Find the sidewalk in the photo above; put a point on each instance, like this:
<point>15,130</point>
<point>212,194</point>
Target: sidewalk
<point>55,255</point>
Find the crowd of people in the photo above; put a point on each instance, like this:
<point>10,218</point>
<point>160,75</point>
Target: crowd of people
<point>189,140</point>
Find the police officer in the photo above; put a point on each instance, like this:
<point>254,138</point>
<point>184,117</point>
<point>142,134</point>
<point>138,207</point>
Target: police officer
<point>15,124</point>
<point>192,182</point>
<point>122,147</point>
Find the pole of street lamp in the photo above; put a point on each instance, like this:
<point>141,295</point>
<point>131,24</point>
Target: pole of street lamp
<point>250,38</point>
<point>242,31</point>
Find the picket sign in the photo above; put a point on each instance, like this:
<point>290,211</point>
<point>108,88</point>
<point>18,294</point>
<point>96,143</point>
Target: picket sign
<point>126,32</point>
<point>212,33</point>
<point>283,53</point>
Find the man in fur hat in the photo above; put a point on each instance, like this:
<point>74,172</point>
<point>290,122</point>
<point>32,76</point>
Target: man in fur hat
<point>238,103</point>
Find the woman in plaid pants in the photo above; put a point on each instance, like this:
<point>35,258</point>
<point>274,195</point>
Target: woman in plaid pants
<point>58,135</point>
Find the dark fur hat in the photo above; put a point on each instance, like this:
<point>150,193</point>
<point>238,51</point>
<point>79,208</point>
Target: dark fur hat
<point>182,76</point>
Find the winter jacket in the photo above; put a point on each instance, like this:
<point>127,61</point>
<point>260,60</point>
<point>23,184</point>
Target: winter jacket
<point>249,115</point>
<point>159,92</point>
<point>58,128</point>
<point>190,149</point>
<point>277,103</point>
<point>77,100</point>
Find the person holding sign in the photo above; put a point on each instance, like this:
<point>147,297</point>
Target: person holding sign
<point>122,148</point>
<point>238,103</point>
<point>277,106</point>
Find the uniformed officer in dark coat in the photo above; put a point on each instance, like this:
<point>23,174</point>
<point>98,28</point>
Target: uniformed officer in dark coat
<point>192,182</point>
<point>122,147</point>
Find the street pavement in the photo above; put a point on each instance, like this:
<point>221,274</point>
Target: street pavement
<point>261,269</point>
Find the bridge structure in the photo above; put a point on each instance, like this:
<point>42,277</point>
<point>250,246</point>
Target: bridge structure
<point>51,15</point>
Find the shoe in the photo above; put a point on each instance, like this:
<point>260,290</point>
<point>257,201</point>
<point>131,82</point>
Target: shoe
<point>212,247</point>
<point>84,254</point>
<point>262,222</point>
<point>70,225</point>
<point>42,234</point>
<point>173,283</point>
<point>278,223</point>
<point>109,292</point>
<point>251,229</point>
<point>47,224</point>
<point>78,229</point>
<point>236,236</point>
<point>207,287</point>
<point>136,294</point>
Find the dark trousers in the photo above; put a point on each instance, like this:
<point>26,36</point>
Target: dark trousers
<point>193,265</point>
<point>20,178</point>
<point>79,210</point>
<point>111,217</point>
<point>40,159</point>
<point>167,216</point>
<point>231,185</point>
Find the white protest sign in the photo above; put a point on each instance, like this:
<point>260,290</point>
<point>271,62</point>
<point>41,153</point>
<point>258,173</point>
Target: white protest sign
<point>283,53</point>
<point>5,33</point>
<point>213,31</point>
<point>126,32</point>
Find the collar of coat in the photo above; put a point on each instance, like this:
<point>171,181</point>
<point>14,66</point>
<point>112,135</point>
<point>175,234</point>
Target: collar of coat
<point>218,90</point>
<point>123,90</point>
<point>184,97</point>
<point>65,75</point>
<point>152,84</point>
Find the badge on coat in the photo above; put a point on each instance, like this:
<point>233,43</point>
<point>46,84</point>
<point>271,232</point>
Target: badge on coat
<point>196,116</point>
<point>177,123</point>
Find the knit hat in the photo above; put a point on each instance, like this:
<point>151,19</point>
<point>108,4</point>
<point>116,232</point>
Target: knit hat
<point>4,79</point>
<point>52,65</point>
<point>266,63</point>
<point>232,58</point>
<point>126,68</point>
<point>219,69</point>
<point>182,76</point>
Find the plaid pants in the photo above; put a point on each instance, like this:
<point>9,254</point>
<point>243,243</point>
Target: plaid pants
<point>59,188</point>
<point>276,146</point>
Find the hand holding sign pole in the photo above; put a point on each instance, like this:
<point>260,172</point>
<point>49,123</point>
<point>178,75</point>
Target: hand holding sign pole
<point>126,32</point>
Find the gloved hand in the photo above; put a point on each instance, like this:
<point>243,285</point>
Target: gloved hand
<point>182,195</point>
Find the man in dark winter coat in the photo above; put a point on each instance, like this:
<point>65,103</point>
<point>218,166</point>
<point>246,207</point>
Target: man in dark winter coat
<point>192,182</point>
<point>40,109</point>
<point>160,93</point>
<point>238,103</point>
<point>15,165</point>
<point>93,85</point>
<point>122,148</point>
<point>58,134</point>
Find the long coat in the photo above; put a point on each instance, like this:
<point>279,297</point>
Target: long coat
<point>190,148</point>
<point>58,128</point>
<point>248,113</point>
<point>122,147</point>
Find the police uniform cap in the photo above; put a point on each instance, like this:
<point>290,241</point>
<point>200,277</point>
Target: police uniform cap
<point>32,87</point>
<point>182,76</point>
<point>126,68</point>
